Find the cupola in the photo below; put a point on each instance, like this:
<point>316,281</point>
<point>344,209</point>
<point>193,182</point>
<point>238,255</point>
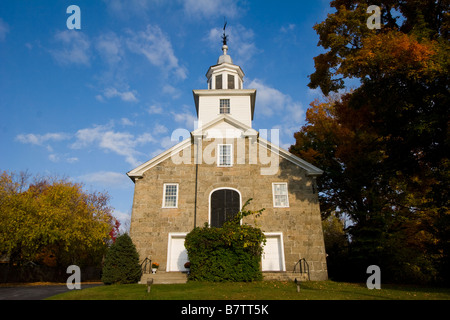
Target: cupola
<point>225,74</point>
<point>225,96</point>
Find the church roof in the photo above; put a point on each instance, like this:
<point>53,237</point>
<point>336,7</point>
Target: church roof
<point>310,169</point>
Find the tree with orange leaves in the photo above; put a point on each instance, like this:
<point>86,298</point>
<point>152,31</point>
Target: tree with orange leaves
<point>384,146</point>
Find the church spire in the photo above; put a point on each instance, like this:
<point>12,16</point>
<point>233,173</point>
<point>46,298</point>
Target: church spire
<point>225,74</point>
<point>225,57</point>
<point>224,36</point>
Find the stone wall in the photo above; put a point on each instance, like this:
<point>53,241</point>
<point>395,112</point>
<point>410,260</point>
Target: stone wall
<point>300,223</point>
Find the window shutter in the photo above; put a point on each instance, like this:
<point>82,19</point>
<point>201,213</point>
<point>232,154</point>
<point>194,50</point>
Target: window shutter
<point>230,81</point>
<point>219,81</point>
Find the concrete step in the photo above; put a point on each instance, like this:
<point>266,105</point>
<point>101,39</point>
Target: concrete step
<point>162,277</point>
<point>284,276</point>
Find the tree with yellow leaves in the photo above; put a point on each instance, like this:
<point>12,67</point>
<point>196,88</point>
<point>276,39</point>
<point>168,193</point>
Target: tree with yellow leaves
<point>53,221</point>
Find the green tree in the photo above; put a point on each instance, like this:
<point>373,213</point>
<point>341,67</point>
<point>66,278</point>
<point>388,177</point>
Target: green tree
<point>336,247</point>
<point>121,264</point>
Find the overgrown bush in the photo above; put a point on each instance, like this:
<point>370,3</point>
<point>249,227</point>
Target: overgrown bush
<point>122,262</point>
<point>230,253</point>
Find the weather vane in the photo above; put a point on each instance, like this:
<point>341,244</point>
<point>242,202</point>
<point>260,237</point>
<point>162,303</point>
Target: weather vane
<point>224,37</point>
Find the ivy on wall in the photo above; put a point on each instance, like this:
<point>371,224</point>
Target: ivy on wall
<point>230,253</point>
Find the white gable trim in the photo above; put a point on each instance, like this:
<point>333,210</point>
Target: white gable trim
<point>246,132</point>
<point>203,130</point>
<point>311,169</point>
<point>139,171</point>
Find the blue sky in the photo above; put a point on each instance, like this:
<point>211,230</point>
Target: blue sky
<point>94,103</point>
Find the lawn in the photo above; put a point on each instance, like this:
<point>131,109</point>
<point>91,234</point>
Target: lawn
<point>265,290</point>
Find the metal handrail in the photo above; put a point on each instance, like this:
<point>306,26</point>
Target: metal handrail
<point>146,265</point>
<point>304,267</point>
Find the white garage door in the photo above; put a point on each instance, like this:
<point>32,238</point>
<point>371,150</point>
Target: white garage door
<point>273,255</point>
<point>177,255</point>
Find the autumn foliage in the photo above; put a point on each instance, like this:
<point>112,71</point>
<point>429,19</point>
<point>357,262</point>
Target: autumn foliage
<point>384,146</point>
<point>53,222</point>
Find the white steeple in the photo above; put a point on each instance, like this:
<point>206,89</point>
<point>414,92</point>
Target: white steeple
<point>225,58</point>
<point>225,74</point>
<point>225,95</point>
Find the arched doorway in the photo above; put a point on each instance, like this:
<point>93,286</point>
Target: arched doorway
<point>224,204</point>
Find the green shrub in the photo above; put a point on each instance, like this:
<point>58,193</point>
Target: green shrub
<point>122,262</point>
<point>230,253</point>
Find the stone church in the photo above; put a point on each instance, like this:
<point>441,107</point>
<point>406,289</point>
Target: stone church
<point>207,177</point>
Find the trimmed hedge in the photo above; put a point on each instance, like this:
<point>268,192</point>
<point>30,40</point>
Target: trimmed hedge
<point>230,253</point>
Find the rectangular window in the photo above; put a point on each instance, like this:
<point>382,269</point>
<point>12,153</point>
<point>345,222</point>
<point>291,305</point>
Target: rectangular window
<point>280,195</point>
<point>170,198</point>
<point>224,106</point>
<point>230,81</point>
<point>219,81</point>
<point>225,155</point>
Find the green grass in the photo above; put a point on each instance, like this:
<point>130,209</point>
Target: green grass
<point>324,290</point>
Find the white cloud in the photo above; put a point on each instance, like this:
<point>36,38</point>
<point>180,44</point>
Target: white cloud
<point>72,160</point>
<point>159,129</point>
<point>127,96</point>
<point>109,46</point>
<point>167,143</point>
<point>39,140</point>
<point>120,143</point>
<point>126,122</point>
<point>54,157</point>
<point>208,8</point>
<point>45,140</point>
<point>4,29</point>
<point>125,9</point>
<point>171,90</point>
<point>124,219</point>
<point>185,117</point>
<point>289,27</point>
<point>269,100</point>
<point>157,49</point>
<point>74,48</point>
<point>153,109</point>
<point>106,179</point>
<point>242,47</point>
<point>273,103</point>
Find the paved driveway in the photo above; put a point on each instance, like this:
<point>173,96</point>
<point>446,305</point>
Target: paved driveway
<point>35,292</point>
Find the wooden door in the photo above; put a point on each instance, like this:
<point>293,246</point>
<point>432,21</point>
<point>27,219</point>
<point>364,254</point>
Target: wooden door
<point>225,204</point>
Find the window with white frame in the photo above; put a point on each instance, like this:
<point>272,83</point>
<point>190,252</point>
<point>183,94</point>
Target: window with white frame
<point>170,198</point>
<point>225,155</point>
<point>280,195</point>
<point>224,106</point>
